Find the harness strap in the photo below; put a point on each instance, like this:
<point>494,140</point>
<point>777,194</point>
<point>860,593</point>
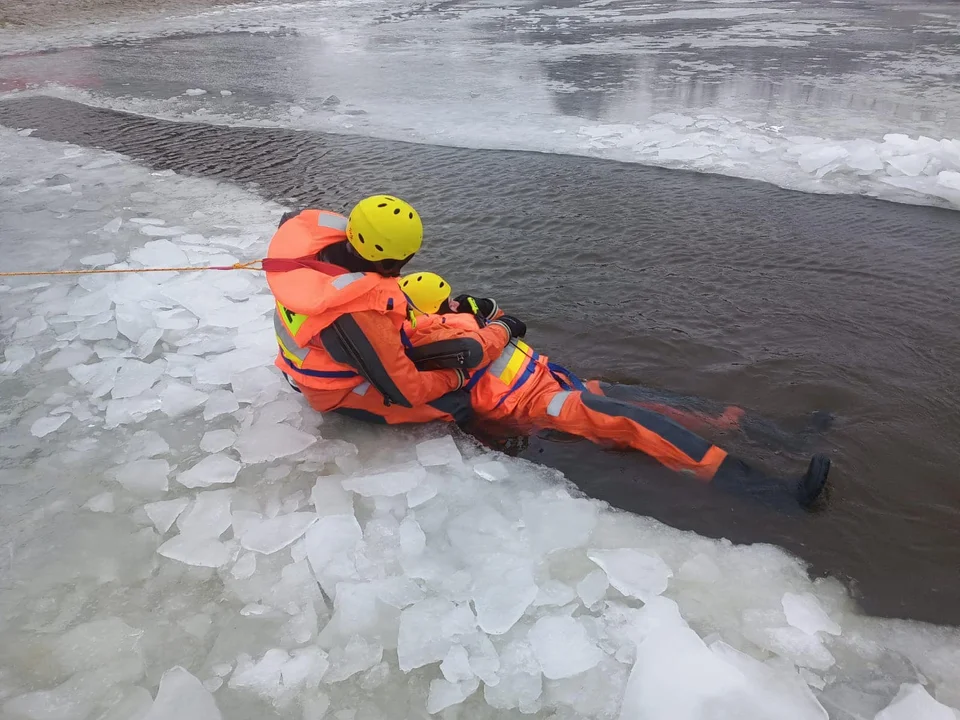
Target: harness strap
<point>308,262</point>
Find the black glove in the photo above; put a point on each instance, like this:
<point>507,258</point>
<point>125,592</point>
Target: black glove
<point>516,328</point>
<point>486,307</point>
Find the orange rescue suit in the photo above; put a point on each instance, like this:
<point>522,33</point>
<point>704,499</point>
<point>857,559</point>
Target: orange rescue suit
<point>519,389</point>
<point>339,332</point>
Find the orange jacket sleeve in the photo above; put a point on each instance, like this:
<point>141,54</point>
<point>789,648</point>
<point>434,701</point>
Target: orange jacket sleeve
<point>492,338</point>
<point>371,343</point>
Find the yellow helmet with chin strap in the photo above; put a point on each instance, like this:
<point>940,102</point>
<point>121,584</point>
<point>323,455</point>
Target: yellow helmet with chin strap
<point>426,291</point>
<point>383,227</point>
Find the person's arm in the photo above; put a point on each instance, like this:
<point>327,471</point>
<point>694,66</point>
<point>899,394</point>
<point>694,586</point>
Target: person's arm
<point>438,343</point>
<point>370,343</point>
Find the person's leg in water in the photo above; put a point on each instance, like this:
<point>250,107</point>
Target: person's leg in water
<point>607,421</point>
<point>704,416</point>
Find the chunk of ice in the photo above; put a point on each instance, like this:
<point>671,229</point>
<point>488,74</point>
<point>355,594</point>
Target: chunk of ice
<point>163,513</point>
<point>146,444</point>
<point>913,702</point>
<point>330,544</point>
<point>135,378</point>
<point>147,342</point>
<point>456,665</point>
<point>212,470</point>
<point>910,165</point>
<point>220,403</point>
<point>274,534</point>
<point>492,470</point>
<point>278,671</point>
<point>16,357</point>
<point>145,478</point>
<point>412,539</point>
<point>101,503</point>
<point>46,425</point>
<point>103,259</point>
<point>503,588</point>
<point>812,159</point>
<point>329,498</point>
<point>592,588</point>
<point>177,399</point>
<point>636,573</point>
<point>214,441</point>
<point>30,327</point>
<point>675,676</point>
<point>428,629</point>
<point>439,451</point>
<point>521,681</point>
<point>562,647</point>
<point>195,92</point>
<point>245,567</point>
<point>130,410</point>
<point>554,592</point>
<point>264,442</point>
<point>558,524</point>
<point>805,613</point>
<point>68,357</point>
<point>799,647</point>
<point>181,696</point>
<point>444,694</point>
<point>196,550</point>
<point>484,661</point>
<point>356,656</point>
<point>387,483</point>
<point>113,226</point>
<point>209,516</point>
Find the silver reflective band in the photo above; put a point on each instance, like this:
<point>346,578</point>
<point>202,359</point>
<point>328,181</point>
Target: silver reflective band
<point>286,339</point>
<point>500,364</point>
<point>332,221</point>
<point>362,388</point>
<point>556,404</point>
<point>341,281</point>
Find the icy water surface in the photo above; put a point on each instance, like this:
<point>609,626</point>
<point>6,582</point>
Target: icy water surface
<point>850,97</point>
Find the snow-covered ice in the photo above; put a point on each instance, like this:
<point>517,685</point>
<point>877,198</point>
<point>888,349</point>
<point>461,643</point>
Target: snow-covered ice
<point>377,572</point>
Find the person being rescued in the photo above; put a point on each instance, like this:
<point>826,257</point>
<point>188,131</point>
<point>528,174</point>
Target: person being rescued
<point>340,314</point>
<point>526,391</point>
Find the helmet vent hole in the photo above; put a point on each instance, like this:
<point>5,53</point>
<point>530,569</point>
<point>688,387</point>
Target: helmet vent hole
<point>419,278</point>
<point>382,205</point>
<point>441,284</point>
<point>411,216</point>
<point>360,235</point>
<point>396,211</point>
<point>389,198</point>
<point>406,282</point>
<point>378,248</point>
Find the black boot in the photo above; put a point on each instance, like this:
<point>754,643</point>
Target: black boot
<point>735,476</point>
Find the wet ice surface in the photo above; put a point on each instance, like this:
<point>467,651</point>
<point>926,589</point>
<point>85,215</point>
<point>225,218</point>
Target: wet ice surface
<point>255,560</point>
<point>836,97</point>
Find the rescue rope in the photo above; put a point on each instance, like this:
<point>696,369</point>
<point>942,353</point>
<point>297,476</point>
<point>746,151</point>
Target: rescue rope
<point>251,265</point>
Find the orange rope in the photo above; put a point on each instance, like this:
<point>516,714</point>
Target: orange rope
<point>251,265</point>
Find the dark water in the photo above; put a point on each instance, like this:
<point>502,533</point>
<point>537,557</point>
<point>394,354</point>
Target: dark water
<point>784,303</point>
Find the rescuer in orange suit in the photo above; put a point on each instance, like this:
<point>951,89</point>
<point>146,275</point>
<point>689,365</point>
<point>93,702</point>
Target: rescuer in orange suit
<point>340,313</point>
<point>525,391</point>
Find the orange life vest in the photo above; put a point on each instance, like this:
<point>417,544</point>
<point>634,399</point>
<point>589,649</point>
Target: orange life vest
<point>310,295</point>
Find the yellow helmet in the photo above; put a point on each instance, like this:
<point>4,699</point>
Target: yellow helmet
<point>383,227</point>
<point>427,291</point>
